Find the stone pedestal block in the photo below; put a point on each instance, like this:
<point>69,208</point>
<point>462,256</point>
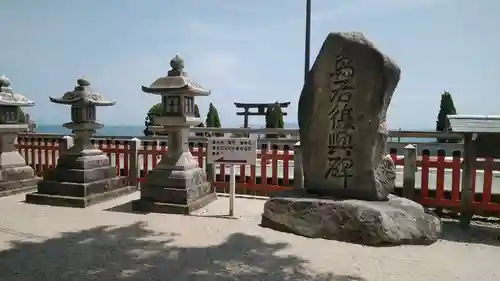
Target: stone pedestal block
<point>79,181</point>
<point>15,175</point>
<point>179,188</point>
<point>17,179</point>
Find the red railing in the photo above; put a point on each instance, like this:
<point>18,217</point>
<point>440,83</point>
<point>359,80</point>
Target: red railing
<point>249,179</point>
<point>271,176</point>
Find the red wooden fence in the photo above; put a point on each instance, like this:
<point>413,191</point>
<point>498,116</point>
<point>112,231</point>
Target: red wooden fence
<point>42,153</point>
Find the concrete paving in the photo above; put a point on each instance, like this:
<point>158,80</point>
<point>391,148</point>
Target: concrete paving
<point>107,242</point>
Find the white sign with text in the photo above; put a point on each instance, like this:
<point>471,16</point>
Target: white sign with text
<point>231,151</point>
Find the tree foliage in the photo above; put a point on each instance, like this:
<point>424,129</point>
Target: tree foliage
<point>274,118</point>
<point>446,107</point>
<point>197,115</point>
<point>154,111</point>
<point>212,120</point>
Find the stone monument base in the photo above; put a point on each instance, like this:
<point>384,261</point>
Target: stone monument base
<point>17,179</point>
<point>394,222</point>
<point>175,191</point>
<point>80,181</point>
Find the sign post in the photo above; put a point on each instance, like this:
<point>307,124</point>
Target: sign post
<point>232,152</point>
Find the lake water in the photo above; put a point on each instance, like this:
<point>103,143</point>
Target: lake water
<point>138,131</point>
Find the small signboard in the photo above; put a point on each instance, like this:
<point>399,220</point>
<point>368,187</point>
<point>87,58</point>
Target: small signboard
<point>231,151</point>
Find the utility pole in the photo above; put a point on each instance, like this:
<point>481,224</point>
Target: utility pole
<point>308,39</point>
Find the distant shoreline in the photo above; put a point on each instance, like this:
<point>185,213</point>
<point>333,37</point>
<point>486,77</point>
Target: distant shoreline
<point>137,130</point>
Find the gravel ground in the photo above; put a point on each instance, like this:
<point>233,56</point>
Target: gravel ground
<point>105,242</point>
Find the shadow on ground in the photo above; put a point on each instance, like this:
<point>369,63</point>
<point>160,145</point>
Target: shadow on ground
<point>478,233</point>
<point>136,253</point>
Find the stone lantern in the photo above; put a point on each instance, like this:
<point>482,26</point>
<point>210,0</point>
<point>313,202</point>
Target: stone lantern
<point>15,175</point>
<point>83,175</point>
<point>177,184</point>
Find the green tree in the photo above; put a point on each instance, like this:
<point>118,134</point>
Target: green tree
<point>213,120</point>
<point>155,111</point>
<point>279,116</point>
<point>269,117</point>
<point>274,118</point>
<point>446,107</point>
<point>197,115</point>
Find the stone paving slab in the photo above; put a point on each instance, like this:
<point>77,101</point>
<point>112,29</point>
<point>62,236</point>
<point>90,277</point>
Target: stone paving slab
<point>61,244</point>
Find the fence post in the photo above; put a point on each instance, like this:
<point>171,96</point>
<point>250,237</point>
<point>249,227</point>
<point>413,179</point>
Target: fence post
<point>409,169</point>
<point>65,144</point>
<point>134,169</point>
<point>209,168</point>
<point>467,195</point>
<point>298,173</point>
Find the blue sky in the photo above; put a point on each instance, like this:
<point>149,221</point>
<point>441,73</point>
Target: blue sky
<point>248,51</point>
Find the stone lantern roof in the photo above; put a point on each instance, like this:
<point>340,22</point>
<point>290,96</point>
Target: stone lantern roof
<point>177,81</point>
<point>9,97</point>
<point>83,94</point>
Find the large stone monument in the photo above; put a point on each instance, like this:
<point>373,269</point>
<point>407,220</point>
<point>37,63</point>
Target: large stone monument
<point>348,177</point>
<point>83,175</point>
<point>177,184</point>
<point>15,175</point>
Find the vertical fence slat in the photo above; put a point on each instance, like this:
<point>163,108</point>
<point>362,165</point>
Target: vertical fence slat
<point>46,149</point>
<point>424,171</point>
<point>488,179</point>
<point>243,178</point>
<point>263,168</point>
<point>440,163</point>
<point>126,158</point>
<point>201,154</point>
<point>286,165</point>
<point>33,153</point>
<point>154,154</point>
<point>274,165</point>
<point>145,158</point>
<point>252,182</point>
<point>118,156</point>
<point>26,145</point>
<point>53,154</point>
<point>455,176</point>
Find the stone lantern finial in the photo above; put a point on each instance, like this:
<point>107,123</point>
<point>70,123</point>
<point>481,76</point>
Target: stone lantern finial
<point>177,64</point>
<point>4,81</point>
<point>82,82</point>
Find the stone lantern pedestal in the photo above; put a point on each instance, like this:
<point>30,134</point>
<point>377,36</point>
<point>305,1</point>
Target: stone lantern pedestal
<point>83,176</point>
<point>15,175</point>
<point>177,184</point>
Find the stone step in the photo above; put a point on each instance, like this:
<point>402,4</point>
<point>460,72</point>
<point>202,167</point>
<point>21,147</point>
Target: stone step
<point>77,202</point>
<point>80,175</point>
<point>183,195</point>
<point>75,189</point>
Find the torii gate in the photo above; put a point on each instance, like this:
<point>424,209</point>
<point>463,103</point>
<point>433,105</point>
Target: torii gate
<point>261,109</point>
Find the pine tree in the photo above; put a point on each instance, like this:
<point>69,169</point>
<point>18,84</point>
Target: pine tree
<point>212,120</point>
<point>278,112</point>
<point>155,111</point>
<point>197,115</point>
<point>270,117</point>
<point>447,107</point>
<point>274,118</point>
